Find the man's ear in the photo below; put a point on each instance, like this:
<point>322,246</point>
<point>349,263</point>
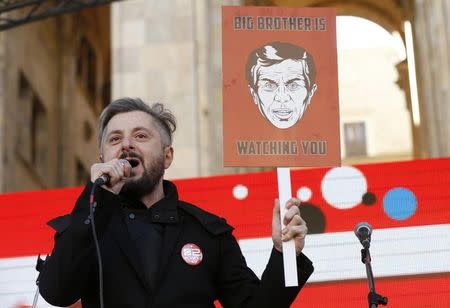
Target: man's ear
<point>311,93</point>
<point>313,90</point>
<point>254,95</point>
<point>101,158</point>
<point>168,156</point>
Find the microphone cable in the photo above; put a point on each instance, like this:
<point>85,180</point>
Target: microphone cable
<point>102,180</point>
<point>92,205</point>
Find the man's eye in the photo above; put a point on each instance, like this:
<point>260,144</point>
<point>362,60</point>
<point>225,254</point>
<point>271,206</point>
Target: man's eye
<point>141,136</point>
<point>270,85</point>
<point>293,86</point>
<point>114,139</point>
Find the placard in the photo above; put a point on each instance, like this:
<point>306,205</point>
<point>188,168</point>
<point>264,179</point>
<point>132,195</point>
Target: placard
<point>280,87</point>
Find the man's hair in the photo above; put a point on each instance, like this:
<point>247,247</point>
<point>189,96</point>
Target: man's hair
<point>164,119</point>
<point>277,52</point>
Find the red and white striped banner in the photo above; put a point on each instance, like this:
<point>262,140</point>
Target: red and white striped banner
<point>407,203</point>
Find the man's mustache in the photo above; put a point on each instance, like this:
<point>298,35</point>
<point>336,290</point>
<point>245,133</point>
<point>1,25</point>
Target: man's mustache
<point>130,154</point>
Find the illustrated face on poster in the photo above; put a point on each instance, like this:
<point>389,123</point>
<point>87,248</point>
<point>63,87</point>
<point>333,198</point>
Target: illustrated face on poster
<point>281,81</point>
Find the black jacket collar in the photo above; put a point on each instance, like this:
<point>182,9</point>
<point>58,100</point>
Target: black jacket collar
<point>163,211</point>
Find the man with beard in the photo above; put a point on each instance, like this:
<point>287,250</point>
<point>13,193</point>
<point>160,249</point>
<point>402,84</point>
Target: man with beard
<point>156,250</point>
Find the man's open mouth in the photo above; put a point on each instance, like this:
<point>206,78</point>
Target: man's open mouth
<point>133,162</point>
<point>282,113</point>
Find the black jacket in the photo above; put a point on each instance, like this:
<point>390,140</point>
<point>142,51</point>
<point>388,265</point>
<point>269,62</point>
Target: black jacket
<point>71,272</point>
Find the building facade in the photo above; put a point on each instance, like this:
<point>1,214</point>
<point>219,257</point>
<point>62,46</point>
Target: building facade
<point>59,73</point>
<point>55,80</point>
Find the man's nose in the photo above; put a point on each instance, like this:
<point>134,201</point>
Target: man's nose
<point>127,143</point>
<point>281,95</point>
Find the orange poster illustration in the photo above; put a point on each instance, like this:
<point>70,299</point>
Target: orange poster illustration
<point>280,87</point>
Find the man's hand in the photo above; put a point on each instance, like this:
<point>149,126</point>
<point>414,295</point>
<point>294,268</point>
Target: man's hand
<point>295,226</point>
<point>118,171</point>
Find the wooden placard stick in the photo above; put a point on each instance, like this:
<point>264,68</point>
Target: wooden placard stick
<point>289,255</point>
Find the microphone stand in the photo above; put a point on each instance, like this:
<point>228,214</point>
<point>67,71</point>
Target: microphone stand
<point>374,299</point>
<point>39,266</point>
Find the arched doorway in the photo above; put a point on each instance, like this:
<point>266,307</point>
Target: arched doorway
<point>375,123</point>
<point>390,15</point>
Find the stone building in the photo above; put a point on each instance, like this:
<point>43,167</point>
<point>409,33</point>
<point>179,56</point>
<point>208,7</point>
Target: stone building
<point>185,38</point>
<point>54,81</point>
<point>57,74</point>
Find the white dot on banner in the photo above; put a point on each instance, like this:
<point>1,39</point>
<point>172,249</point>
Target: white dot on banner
<point>240,192</point>
<point>304,193</point>
<point>343,187</point>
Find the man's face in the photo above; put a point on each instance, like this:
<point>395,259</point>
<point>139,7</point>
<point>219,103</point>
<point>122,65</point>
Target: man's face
<point>134,136</point>
<point>281,93</point>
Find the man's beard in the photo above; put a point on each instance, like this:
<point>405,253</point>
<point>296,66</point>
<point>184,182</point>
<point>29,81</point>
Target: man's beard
<point>150,178</point>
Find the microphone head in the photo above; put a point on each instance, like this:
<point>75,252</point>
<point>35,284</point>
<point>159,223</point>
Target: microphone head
<point>102,180</point>
<point>124,162</point>
<point>363,231</point>
<point>363,227</point>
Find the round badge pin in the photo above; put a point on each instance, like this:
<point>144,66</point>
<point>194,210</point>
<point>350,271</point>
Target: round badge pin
<point>192,254</point>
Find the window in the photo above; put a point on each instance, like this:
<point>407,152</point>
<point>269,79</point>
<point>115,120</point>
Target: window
<point>82,175</point>
<point>24,107</point>
<point>87,131</point>
<point>32,129</point>
<point>106,94</point>
<point>87,70</point>
<point>39,145</point>
<point>355,139</point>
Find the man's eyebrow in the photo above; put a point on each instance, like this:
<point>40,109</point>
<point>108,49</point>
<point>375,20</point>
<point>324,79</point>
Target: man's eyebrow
<point>119,131</point>
<point>267,79</point>
<point>140,128</point>
<point>116,131</point>
<point>295,79</point>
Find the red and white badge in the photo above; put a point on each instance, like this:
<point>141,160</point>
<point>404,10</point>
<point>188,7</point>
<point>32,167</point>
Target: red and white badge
<point>192,254</point>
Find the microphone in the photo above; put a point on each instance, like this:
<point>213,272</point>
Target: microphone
<point>363,231</point>
<point>105,178</point>
<point>102,180</point>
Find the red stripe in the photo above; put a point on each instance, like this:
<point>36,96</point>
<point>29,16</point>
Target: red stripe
<point>23,216</point>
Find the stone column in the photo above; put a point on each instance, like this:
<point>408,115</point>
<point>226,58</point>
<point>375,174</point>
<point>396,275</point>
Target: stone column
<point>2,112</point>
<point>212,109</point>
<point>403,82</point>
<point>169,52</point>
<point>432,38</point>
